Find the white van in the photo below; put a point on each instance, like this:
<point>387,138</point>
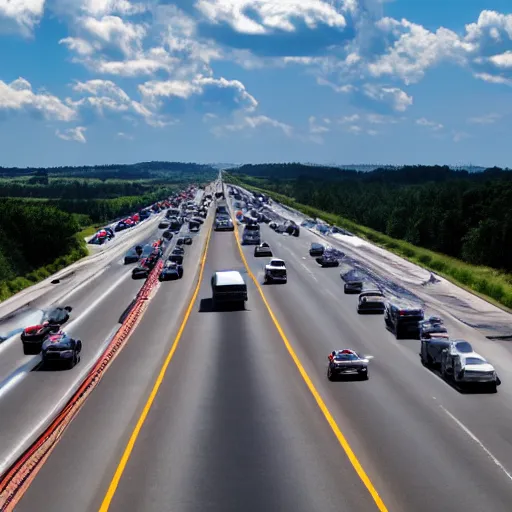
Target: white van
<point>228,286</point>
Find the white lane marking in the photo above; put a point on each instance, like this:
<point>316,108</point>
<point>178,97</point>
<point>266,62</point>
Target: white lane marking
<point>17,376</point>
<point>477,441</point>
<point>80,286</point>
<point>309,271</point>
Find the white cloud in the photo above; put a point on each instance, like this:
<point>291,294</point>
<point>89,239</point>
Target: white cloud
<point>349,119</point>
<point>373,133</point>
<point>393,96</point>
<point>104,7</point>
<point>271,15</point>
<point>380,119</point>
<point>316,127</point>
<point>20,15</point>
<point>113,31</point>
<point>78,45</point>
<point>346,88</point>
<point>73,134</point>
<point>153,91</point>
<point>18,96</point>
<point>122,135</point>
<point>486,119</point>
<point>252,123</point>
<point>429,124</point>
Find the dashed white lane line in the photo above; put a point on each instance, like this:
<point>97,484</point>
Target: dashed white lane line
<point>309,271</point>
<point>477,441</point>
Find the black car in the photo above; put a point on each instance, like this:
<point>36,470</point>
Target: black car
<point>353,281</point>
<point>194,226</point>
<point>132,256</point>
<point>186,240</point>
<point>61,348</point>
<point>328,260</point>
<point>198,219</point>
<point>263,250</point>
<point>403,320</point>
<point>347,362</point>
<point>176,257</point>
<point>141,271</point>
<point>316,249</point>
<point>32,337</point>
<point>167,235</point>
<point>163,225</point>
<point>171,271</point>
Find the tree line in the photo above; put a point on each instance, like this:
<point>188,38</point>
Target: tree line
<point>458,213</point>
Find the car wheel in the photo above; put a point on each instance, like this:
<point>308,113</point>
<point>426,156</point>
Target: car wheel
<point>493,388</point>
<point>330,375</point>
<point>29,350</point>
<point>364,375</point>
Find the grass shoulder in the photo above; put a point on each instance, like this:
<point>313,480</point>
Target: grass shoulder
<point>488,283</point>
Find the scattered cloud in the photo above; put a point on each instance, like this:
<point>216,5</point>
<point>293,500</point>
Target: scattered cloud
<point>429,124</point>
<point>485,119</point>
<point>349,119</point>
<point>252,123</point>
<point>316,127</point>
<point>18,96</point>
<point>122,135</point>
<point>73,134</point>
<point>258,17</point>
<point>393,96</point>
<point>20,16</point>
<point>459,136</point>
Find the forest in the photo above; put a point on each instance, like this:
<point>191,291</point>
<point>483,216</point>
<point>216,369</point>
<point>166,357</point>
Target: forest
<point>457,213</point>
<point>43,211</point>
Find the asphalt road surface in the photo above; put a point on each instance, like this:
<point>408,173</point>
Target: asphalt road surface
<point>31,394</point>
<point>234,426</point>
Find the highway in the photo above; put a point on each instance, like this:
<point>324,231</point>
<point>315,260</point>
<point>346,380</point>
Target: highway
<point>30,394</point>
<point>235,426</point>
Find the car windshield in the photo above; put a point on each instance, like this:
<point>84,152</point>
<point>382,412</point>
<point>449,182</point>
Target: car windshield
<point>317,246</point>
<point>277,263</point>
<point>132,252</point>
<point>345,357</point>
<point>474,360</point>
<point>56,315</point>
<point>252,227</point>
<point>463,346</point>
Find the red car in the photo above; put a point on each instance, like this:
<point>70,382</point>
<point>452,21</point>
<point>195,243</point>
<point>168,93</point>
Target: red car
<point>32,337</point>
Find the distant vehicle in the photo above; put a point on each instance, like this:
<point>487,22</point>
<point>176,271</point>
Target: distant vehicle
<point>163,225</point>
<point>32,337</point>
<point>371,301</point>
<point>176,257</point>
<point>292,229</point>
<point>144,214</point>
<point>172,212</point>
<point>347,362</point>
<point>468,368</point>
<point>434,343</point>
<point>224,224</point>
<point>185,240</point>
<point>199,220</point>
<point>61,348</point>
<point>132,256</point>
<point>275,271</point>
<point>141,271</point>
<point>194,226</point>
<point>353,281</point>
<point>316,249</point>
<point>228,286</point>
<point>263,250</point>
<point>328,259</point>
<point>251,234</point>
<point>273,225</point>
<point>178,250</point>
<point>168,234</point>
<point>433,325</point>
<point>171,272</point>
<point>403,319</point>
<point>146,251</point>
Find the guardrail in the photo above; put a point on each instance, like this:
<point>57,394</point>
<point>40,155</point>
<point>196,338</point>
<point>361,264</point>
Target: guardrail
<point>15,480</point>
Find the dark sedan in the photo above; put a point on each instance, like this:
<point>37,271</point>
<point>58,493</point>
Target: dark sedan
<point>62,349</point>
<point>132,256</point>
<point>316,249</point>
<point>171,272</point>
<point>328,260</point>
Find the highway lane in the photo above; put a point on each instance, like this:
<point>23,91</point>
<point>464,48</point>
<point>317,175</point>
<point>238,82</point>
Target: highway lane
<point>113,274</point>
<point>86,457</point>
<point>401,422</point>
<point>31,395</point>
<point>233,426</point>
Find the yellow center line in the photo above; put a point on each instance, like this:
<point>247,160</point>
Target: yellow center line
<point>136,431</point>
<point>321,404</point>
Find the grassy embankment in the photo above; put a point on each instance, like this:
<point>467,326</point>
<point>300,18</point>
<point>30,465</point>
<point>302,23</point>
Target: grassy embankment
<point>488,283</point>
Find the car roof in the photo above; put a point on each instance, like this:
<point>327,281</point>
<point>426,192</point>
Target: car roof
<point>371,292</point>
<point>227,277</point>
<point>276,259</point>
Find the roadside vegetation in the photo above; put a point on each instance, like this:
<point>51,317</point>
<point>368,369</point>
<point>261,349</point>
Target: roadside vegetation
<point>456,224</point>
<point>46,214</point>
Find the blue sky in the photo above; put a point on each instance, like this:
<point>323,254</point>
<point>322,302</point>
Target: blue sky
<point>326,81</point>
